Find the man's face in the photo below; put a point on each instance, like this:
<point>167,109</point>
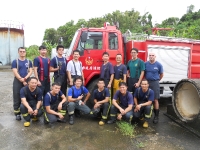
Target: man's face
<point>76,55</point>
<point>152,56</point>
<point>134,54</point>
<point>123,89</point>
<point>22,52</point>
<point>105,57</point>
<point>78,82</point>
<point>43,52</point>
<point>60,51</point>
<point>32,83</point>
<point>56,89</point>
<point>118,58</point>
<point>100,84</point>
<point>144,85</point>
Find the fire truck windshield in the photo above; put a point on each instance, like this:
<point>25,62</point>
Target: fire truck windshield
<point>72,43</point>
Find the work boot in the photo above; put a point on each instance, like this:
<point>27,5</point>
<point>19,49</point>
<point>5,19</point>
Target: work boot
<point>156,114</point>
<point>102,122</point>
<point>111,121</point>
<point>34,118</point>
<point>145,124</point>
<point>27,124</point>
<point>18,117</point>
<point>77,113</point>
<point>71,119</point>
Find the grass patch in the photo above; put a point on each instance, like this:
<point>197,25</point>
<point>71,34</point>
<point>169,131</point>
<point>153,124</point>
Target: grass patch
<point>126,129</point>
<point>140,145</point>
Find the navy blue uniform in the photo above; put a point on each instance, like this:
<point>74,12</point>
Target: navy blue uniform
<point>99,96</point>
<point>32,98</point>
<point>53,101</point>
<point>43,76</point>
<point>106,71</point>
<point>60,76</point>
<point>22,67</point>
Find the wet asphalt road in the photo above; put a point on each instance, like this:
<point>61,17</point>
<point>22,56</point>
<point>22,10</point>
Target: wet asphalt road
<point>86,134</point>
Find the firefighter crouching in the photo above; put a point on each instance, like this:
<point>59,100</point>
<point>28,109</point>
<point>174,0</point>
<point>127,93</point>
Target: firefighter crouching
<point>31,99</point>
<point>75,99</point>
<point>143,99</point>
<point>55,105</point>
<point>101,101</point>
<point>123,109</point>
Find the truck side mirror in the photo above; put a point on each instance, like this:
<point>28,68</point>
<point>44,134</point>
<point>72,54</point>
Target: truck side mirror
<point>84,36</point>
<point>124,39</point>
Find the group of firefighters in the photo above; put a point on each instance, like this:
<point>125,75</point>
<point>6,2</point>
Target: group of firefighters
<point>126,91</point>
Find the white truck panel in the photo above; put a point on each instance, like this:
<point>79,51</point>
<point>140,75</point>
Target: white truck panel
<point>174,60</point>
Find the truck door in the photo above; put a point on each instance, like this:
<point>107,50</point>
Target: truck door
<point>112,46</point>
<point>91,54</point>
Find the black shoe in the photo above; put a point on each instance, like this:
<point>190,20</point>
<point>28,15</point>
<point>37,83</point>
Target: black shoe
<point>111,121</point>
<point>45,121</point>
<point>77,113</point>
<point>71,119</point>
<point>61,120</point>
<point>18,117</point>
<point>155,120</point>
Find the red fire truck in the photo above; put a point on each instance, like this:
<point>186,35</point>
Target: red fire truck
<point>180,57</point>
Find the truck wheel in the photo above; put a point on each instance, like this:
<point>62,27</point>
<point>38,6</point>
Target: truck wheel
<point>91,87</point>
<point>171,88</point>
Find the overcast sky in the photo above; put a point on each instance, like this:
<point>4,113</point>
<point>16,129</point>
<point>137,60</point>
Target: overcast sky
<point>38,15</point>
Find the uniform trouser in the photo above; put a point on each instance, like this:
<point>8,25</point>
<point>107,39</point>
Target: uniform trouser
<point>116,85</point>
<point>45,86</point>
<point>53,118</point>
<point>62,79</point>
<point>145,111</point>
<point>75,105</point>
<point>17,85</point>
<point>25,113</point>
<point>131,84</point>
<point>104,109</point>
<point>114,110</point>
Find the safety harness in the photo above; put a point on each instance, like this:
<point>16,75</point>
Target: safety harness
<point>58,64</point>
<point>17,61</point>
<point>42,69</point>
<point>121,75</point>
<point>49,94</point>
<point>26,93</point>
<point>82,91</point>
<point>138,94</point>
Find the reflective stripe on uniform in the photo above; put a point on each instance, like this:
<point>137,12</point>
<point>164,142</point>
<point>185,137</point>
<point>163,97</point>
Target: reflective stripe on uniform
<point>104,117</point>
<point>71,113</point>
<point>46,118</point>
<point>112,115</point>
<point>24,115</point>
<point>149,116</point>
<point>131,117</point>
<point>17,111</point>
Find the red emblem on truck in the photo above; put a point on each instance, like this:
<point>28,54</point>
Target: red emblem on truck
<point>88,61</point>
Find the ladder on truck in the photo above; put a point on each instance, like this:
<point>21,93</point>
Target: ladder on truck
<point>143,37</point>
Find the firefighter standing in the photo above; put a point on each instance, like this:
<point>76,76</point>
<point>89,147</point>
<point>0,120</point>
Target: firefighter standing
<point>58,65</point>
<point>22,70</point>
<point>154,73</point>
<point>120,73</point>
<point>135,68</point>
<point>107,71</point>
<point>101,101</point>
<point>75,98</point>
<point>143,99</point>
<point>31,98</point>
<point>41,70</point>
<point>55,105</point>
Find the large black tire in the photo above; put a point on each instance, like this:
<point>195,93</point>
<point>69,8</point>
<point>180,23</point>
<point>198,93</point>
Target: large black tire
<point>186,99</point>
<point>91,87</point>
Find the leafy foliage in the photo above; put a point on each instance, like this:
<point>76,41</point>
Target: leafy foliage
<point>126,128</point>
<point>186,27</point>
